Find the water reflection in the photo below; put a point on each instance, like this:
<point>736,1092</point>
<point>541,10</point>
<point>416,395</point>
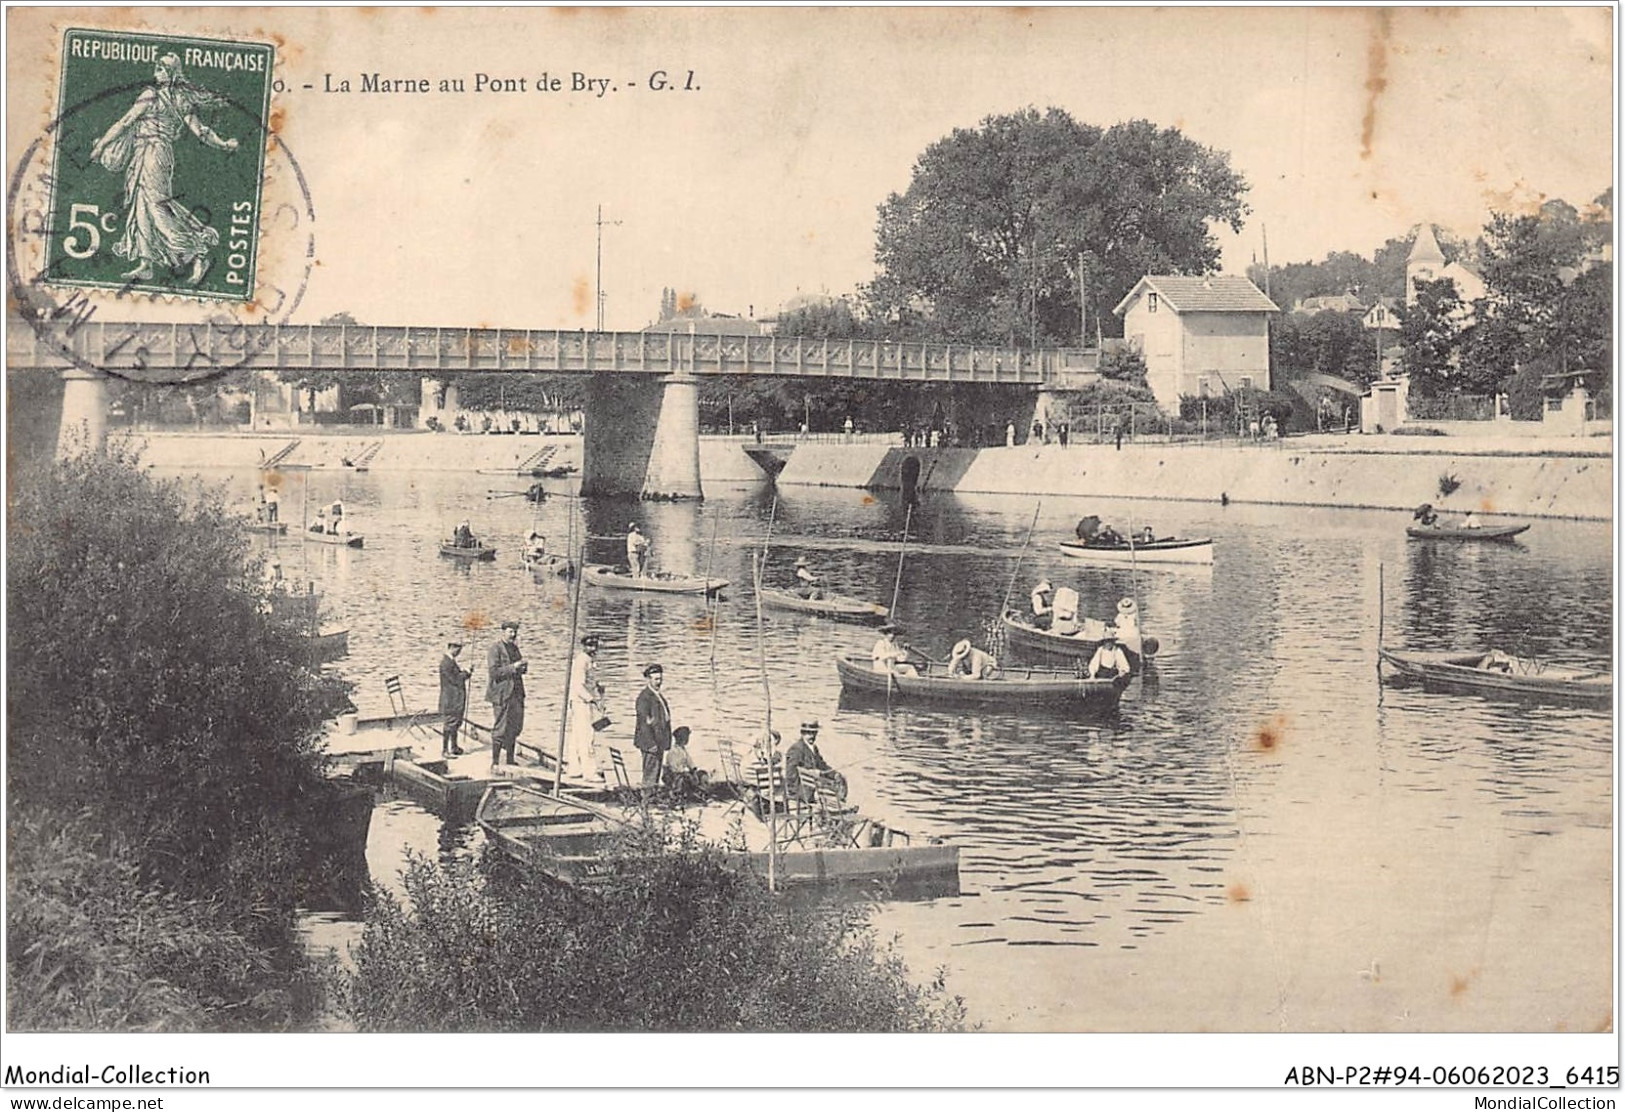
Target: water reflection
<point>1262,720</point>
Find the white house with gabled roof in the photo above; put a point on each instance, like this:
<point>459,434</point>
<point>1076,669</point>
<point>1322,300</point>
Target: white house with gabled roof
<point>1199,336</point>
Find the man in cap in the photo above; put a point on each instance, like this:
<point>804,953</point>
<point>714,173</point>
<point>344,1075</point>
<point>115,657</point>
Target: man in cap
<point>652,734</point>
<point>804,754</point>
<point>505,691</point>
<point>807,580</point>
<point>453,698</point>
<point>586,708</point>
<point>890,655</point>
<point>1109,662</point>
<point>637,551</point>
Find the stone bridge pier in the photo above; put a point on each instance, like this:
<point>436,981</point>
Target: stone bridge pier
<point>641,436</point>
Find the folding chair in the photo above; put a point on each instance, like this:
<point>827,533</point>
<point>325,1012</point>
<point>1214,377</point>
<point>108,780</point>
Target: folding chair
<point>728,759</point>
<point>770,798</point>
<point>837,820</point>
<point>397,698</point>
<point>618,762</point>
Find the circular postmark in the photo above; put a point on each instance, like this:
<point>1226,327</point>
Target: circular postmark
<point>160,228</point>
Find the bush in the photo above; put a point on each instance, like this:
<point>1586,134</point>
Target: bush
<point>89,947</point>
<point>152,695</point>
<point>1222,408</point>
<point>676,941</point>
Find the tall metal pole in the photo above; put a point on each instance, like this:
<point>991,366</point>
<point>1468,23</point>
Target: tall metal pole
<point>599,280</point>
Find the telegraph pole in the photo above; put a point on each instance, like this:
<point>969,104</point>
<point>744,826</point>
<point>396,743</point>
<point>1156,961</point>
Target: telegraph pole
<point>600,272</point>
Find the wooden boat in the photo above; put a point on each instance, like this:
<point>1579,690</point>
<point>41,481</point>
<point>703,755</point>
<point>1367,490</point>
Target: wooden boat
<point>1497,673</point>
<point>1460,533</point>
<point>1013,685</point>
<point>602,575</point>
<point>1163,550</point>
<point>549,563</point>
<point>343,540</point>
<point>271,528</point>
<point>569,837</point>
<point>330,643</point>
<point>840,607</point>
<point>478,551</point>
<point>1021,634</point>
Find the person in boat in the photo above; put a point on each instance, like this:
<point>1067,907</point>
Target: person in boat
<point>652,734</point>
<point>1064,621</point>
<point>463,536</point>
<point>890,655</point>
<point>1126,627</point>
<point>505,691</point>
<point>804,753</point>
<point>582,757</point>
<point>1496,661</point>
<point>681,775</point>
<point>1470,521</point>
<point>335,518</point>
<point>1107,538</point>
<point>320,524</point>
<point>535,546</point>
<point>1147,536</point>
<point>968,662</point>
<point>807,580</point>
<point>637,551</point>
<point>1043,600</point>
<point>1109,661</point>
<point>453,699</point>
<point>1426,515</point>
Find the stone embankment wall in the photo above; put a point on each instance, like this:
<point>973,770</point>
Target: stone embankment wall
<point>1572,478</point>
<point>1566,481</point>
<point>722,461</point>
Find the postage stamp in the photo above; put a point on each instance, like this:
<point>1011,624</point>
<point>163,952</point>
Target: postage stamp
<point>159,164</point>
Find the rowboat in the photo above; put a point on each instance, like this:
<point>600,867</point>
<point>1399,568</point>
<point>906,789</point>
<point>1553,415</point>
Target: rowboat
<point>574,837</point>
<point>1164,550</point>
<point>343,540</point>
<point>468,552</point>
<point>1020,633</point>
<point>271,528</point>
<point>549,563</point>
<point>1497,673</point>
<point>840,607</point>
<point>330,643</point>
<point>603,575</point>
<point>1461,533</point>
<point>1012,685</point>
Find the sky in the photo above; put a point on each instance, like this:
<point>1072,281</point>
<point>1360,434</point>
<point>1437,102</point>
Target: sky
<point>761,182</point>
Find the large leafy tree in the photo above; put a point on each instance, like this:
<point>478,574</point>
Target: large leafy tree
<point>1430,337</point>
<point>1003,224</point>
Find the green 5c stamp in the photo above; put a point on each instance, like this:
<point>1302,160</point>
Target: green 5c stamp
<point>159,163</point>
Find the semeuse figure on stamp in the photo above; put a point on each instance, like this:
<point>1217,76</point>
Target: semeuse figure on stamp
<point>505,691</point>
<point>159,231</point>
<point>652,735</point>
<point>453,699</point>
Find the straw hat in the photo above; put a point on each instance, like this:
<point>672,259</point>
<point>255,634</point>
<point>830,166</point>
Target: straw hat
<point>962,648</point>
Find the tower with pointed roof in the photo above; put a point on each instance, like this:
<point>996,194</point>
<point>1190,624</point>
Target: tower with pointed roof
<point>1424,263</point>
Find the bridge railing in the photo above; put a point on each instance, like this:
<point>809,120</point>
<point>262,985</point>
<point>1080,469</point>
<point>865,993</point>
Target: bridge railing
<point>180,348</point>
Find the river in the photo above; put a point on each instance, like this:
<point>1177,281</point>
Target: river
<point>1263,838</point>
